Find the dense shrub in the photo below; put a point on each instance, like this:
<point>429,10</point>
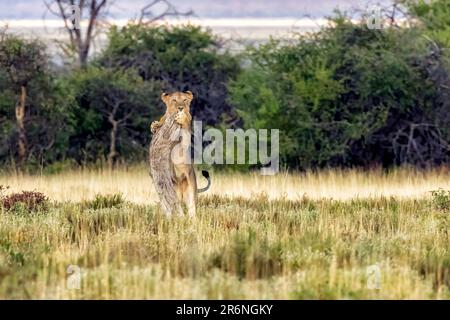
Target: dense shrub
<point>350,96</point>
<point>104,201</point>
<point>28,201</point>
<point>36,130</point>
<point>178,58</point>
<point>113,111</point>
<point>441,199</point>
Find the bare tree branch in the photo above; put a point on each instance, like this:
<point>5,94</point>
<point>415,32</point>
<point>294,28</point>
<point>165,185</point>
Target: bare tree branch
<point>97,13</point>
<point>79,42</point>
<point>148,15</point>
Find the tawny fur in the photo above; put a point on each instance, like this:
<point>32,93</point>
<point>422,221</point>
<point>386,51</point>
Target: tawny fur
<point>170,164</point>
<point>161,167</point>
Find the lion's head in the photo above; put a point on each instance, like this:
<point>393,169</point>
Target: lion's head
<point>177,101</point>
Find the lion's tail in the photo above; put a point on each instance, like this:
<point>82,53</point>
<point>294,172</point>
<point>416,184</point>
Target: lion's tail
<point>206,175</point>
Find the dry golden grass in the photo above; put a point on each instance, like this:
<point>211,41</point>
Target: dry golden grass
<point>135,184</point>
<point>282,245</point>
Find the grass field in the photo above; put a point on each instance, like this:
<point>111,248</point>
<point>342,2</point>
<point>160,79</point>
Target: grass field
<point>290,236</point>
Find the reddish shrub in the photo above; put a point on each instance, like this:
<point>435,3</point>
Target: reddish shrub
<point>29,200</point>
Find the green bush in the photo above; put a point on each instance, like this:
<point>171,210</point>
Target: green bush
<point>434,16</point>
<point>176,59</point>
<point>441,199</point>
<point>26,73</point>
<point>349,96</point>
<point>104,201</point>
<point>113,111</point>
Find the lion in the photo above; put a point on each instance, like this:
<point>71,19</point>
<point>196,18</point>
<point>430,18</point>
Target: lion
<point>170,164</point>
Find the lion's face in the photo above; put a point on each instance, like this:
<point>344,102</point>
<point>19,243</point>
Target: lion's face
<point>177,101</point>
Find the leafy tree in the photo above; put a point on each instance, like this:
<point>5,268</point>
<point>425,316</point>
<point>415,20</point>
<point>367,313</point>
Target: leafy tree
<point>31,102</point>
<point>22,62</point>
<point>434,16</point>
<point>113,112</point>
<point>349,96</point>
<point>178,58</point>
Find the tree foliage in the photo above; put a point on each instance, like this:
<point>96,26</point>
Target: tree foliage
<point>434,17</point>
<point>350,96</point>
<point>33,104</point>
<point>112,114</point>
<point>178,58</point>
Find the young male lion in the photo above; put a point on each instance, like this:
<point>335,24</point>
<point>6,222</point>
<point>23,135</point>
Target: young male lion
<point>181,170</point>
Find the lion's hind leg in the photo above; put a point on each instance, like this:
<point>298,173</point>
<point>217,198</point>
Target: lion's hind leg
<point>179,188</point>
<point>190,195</point>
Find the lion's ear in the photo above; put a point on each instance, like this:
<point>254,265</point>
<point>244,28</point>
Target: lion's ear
<point>164,97</point>
<point>190,95</point>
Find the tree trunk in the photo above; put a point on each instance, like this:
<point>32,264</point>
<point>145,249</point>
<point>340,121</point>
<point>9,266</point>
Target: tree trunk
<point>20,119</point>
<point>112,146</point>
<point>83,56</point>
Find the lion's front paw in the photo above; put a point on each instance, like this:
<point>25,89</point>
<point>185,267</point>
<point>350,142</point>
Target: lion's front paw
<point>180,118</point>
<point>155,126</point>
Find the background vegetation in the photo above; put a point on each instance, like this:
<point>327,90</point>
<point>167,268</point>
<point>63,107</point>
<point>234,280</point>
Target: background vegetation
<point>345,96</point>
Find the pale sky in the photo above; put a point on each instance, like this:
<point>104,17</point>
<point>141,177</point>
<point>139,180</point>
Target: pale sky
<point>125,9</point>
